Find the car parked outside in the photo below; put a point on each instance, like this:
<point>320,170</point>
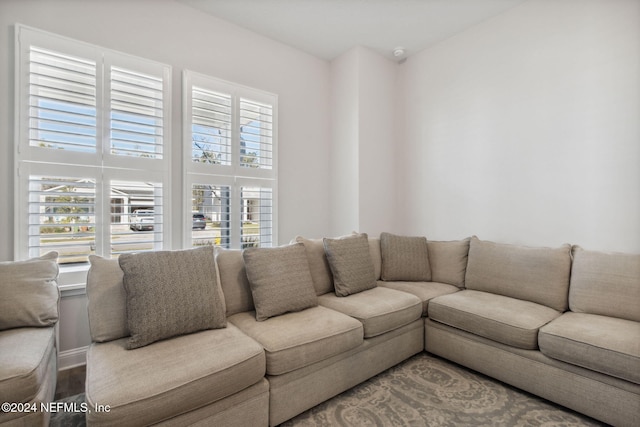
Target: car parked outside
<point>199,221</point>
<point>142,219</point>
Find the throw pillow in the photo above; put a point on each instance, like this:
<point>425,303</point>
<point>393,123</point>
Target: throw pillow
<point>404,258</point>
<point>171,293</point>
<point>280,280</point>
<point>106,300</point>
<point>351,265</point>
<point>28,292</point>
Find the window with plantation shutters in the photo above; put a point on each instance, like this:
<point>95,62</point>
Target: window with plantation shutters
<point>91,157</point>
<point>230,163</point>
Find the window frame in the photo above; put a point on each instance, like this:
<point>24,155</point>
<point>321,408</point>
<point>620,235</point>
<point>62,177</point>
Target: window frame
<point>101,165</point>
<point>233,175</point>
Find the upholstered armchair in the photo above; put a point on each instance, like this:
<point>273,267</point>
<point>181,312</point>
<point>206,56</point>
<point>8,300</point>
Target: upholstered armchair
<point>29,306</point>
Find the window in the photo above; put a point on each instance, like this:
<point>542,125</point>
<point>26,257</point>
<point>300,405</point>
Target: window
<point>229,162</point>
<point>92,169</point>
<point>93,155</point>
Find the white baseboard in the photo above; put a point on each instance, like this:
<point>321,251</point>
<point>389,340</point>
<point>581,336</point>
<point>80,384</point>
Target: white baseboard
<point>71,358</point>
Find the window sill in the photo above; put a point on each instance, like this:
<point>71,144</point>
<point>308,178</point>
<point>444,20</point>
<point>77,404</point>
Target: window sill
<point>73,290</point>
<point>72,280</point>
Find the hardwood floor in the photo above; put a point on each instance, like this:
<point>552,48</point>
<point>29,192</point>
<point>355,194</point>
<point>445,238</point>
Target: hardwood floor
<point>70,382</point>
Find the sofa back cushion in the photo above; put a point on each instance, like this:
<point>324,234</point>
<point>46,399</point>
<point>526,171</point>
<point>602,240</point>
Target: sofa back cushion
<point>605,283</point>
<point>107,300</point>
<point>318,264</point>
<point>376,256</point>
<point>234,281</point>
<point>448,261</point>
<point>539,275</point>
<point>28,292</point>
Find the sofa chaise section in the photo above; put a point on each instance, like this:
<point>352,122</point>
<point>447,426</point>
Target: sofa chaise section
<point>512,324</point>
<point>511,292</point>
<point>29,300</point>
<point>208,376</point>
<point>334,345</point>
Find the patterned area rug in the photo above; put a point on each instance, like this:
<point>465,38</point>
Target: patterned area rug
<point>428,391</point>
<point>422,391</point>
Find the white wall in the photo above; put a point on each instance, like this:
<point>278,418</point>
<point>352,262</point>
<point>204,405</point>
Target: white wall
<point>363,144</point>
<point>343,179</point>
<point>184,38</point>
<point>526,128</point>
<point>379,142</point>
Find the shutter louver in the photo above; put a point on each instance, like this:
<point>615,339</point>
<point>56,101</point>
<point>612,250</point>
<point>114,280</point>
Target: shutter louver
<point>257,217</point>
<point>214,203</point>
<point>62,217</point>
<point>211,127</point>
<point>62,101</point>
<point>256,135</point>
<point>136,114</point>
<point>136,217</point>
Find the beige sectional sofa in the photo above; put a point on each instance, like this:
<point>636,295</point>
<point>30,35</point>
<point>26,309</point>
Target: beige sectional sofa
<point>29,300</point>
<point>566,330</point>
<point>311,319</point>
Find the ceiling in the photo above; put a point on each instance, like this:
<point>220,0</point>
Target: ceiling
<point>327,28</point>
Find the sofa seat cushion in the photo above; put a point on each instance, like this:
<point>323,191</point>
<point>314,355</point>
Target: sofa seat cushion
<point>170,377</point>
<point>423,290</point>
<point>600,343</point>
<point>24,359</point>
<point>496,317</point>
<point>379,309</point>
<point>295,340</point>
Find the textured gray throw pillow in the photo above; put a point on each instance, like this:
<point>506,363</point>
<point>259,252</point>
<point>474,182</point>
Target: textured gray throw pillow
<point>404,258</point>
<point>280,280</point>
<point>171,293</point>
<point>351,264</point>
<point>29,292</point>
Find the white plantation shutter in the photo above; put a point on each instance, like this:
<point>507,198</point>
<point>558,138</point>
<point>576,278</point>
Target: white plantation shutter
<point>61,217</point>
<point>137,113</point>
<point>256,134</point>
<point>211,127</point>
<point>214,202</point>
<point>91,148</point>
<point>232,135</point>
<point>257,216</point>
<point>62,101</point>
<point>136,211</point>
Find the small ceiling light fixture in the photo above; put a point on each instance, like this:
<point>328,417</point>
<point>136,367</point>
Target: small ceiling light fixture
<point>399,51</point>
